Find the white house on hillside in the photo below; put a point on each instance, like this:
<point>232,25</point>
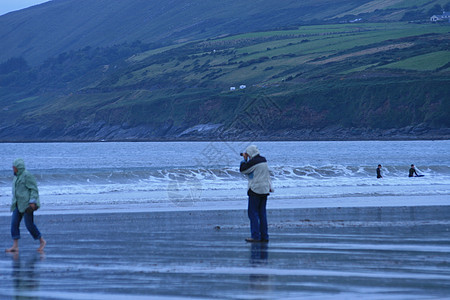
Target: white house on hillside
<point>443,17</point>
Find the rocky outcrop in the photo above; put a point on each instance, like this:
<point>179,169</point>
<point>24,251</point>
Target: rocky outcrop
<point>101,131</point>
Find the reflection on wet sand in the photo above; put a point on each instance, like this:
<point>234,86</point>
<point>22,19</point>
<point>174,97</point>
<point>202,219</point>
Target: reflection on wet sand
<point>24,276</point>
<point>259,254</point>
<point>322,253</point>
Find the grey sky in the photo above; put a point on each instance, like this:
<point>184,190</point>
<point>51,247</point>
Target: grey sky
<point>12,5</point>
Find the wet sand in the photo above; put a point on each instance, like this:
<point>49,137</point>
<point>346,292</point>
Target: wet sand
<point>314,253</point>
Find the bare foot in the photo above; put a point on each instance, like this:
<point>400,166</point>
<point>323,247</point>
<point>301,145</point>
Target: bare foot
<point>42,245</point>
<point>12,249</point>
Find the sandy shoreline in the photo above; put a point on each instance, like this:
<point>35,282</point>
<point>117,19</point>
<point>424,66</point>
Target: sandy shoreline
<point>141,203</point>
<point>327,252</point>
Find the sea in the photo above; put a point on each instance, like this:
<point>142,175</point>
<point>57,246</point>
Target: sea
<point>160,176</point>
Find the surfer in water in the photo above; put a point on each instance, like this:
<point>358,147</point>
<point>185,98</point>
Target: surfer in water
<point>412,172</point>
<point>379,172</point>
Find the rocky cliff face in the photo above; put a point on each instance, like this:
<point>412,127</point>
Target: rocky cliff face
<point>213,132</point>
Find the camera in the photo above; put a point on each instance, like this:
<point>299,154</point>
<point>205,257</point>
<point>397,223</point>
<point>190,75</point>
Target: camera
<point>241,154</point>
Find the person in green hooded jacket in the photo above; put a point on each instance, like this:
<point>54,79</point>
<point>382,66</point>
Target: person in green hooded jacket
<point>25,200</point>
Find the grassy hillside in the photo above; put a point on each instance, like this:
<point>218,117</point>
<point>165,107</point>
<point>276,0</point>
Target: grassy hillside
<point>355,78</point>
<point>60,26</point>
<point>425,62</point>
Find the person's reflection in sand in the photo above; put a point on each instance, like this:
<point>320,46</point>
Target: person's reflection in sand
<point>259,259</point>
<point>25,278</point>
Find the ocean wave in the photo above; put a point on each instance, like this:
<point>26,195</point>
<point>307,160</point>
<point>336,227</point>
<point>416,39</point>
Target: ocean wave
<point>98,181</point>
<point>221,173</point>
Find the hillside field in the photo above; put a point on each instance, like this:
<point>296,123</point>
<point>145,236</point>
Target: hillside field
<point>372,76</point>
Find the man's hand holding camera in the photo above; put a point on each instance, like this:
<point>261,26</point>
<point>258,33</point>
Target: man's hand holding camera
<point>245,155</point>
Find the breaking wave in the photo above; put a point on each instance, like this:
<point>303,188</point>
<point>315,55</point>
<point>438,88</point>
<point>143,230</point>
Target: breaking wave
<point>98,181</point>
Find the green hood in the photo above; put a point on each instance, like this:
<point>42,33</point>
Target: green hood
<point>24,188</point>
<point>20,165</point>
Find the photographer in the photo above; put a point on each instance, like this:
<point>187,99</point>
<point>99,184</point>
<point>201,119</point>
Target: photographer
<point>259,186</point>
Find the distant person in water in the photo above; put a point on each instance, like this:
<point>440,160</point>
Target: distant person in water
<point>25,200</point>
<point>412,171</point>
<point>259,186</point>
<point>379,172</point>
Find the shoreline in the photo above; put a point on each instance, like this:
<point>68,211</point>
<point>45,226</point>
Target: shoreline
<point>210,140</point>
<point>218,133</point>
<point>241,205</point>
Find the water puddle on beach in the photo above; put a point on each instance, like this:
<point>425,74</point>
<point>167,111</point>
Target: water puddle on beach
<point>323,253</point>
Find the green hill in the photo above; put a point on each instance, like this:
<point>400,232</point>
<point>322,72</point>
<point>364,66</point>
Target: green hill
<point>338,80</point>
<point>60,26</point>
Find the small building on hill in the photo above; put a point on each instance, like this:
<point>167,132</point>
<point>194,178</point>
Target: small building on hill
<point>444,17</point>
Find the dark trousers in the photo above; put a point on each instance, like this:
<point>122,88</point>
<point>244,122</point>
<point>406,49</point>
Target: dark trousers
<point>257,216</point>
<point>29,223</point>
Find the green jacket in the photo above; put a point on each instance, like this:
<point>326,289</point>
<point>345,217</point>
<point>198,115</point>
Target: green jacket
<point>24,188</point>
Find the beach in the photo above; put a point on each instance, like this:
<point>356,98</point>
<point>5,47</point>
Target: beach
<point>400,252</point>
<point>168,221</point>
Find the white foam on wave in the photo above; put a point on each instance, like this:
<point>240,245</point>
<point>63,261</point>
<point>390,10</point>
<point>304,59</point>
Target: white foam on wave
<point>331,180</point>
